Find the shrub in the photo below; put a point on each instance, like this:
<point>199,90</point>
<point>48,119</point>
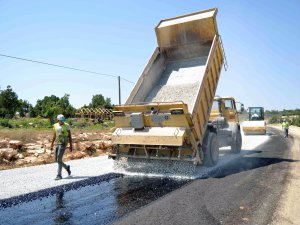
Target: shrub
<point>296,121</point>
<point>275,119</point>
<point>5,123</point>
<point>29,123</point>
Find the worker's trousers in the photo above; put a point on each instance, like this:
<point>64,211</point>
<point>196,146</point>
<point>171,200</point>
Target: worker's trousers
<point>59,152</point>
<point>286,132</point>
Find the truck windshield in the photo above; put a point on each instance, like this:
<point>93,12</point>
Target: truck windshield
<point>256,113</point>
<point>215,105</point>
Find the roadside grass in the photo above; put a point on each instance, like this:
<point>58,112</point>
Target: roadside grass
<point>25,135</point>
<point>42,123</point>
<point>33,134</point>
<point>37,122</point>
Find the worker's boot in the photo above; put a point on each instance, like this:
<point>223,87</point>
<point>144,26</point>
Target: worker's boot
<point>68,170</point>
<point>58,177</point>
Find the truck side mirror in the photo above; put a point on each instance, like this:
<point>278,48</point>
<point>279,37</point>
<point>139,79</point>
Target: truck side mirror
<point>242,108</point>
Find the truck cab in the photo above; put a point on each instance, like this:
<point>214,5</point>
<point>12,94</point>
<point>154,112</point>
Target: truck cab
<point>256,123</point>
<point>256,114</point>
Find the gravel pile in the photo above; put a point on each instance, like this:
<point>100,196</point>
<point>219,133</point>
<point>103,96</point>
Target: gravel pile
<point>179,82</point>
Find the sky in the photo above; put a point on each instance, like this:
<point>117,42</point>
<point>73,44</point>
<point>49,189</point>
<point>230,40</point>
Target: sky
<point>261,41</point>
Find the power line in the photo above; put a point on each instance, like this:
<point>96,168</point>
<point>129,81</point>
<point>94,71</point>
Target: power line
<point>65,67</point>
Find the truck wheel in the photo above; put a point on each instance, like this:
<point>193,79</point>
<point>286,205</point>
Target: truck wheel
<point>236,143</point>
<point>210,149</point>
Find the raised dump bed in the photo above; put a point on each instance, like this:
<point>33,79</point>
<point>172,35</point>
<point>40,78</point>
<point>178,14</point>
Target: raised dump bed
<point>166,114</point>
<point>180,81</point>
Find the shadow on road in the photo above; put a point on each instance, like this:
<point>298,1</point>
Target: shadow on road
<point>245,164</point>
<point>275,151</point>
<point>77,177</point>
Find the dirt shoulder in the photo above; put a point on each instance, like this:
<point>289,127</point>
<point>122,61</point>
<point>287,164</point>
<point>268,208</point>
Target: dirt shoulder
<point>289,206</point>
<point>28,147</point>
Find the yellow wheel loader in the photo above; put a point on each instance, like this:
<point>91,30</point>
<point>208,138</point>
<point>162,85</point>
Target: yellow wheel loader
<point>256,123</point>
<point>224,120</point>
<point>167,115</point>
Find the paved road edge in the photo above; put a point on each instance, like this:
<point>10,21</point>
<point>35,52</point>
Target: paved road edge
<point>288,208</point>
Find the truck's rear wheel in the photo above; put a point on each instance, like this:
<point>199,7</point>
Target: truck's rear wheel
<point>210,149</point>
<point>236,144</point>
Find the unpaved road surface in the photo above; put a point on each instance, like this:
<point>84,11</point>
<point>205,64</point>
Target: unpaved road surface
<point>242,189</point>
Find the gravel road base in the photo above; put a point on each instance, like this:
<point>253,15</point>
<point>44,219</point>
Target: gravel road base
<point>20,181</point>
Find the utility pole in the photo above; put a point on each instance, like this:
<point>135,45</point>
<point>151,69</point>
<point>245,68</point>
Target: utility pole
<point>119,84</point>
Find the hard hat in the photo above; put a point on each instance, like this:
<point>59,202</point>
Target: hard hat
<point>61,117</point>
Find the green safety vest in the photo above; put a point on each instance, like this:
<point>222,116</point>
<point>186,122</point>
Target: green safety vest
<point>285,125</point>
<point>63,136</point>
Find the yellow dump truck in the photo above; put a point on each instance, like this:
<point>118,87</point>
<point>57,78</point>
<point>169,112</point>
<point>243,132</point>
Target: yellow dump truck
<point>166,116</point>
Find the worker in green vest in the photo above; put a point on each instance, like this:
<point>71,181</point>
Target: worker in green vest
<point>61,137</point>
<point>285,127</point>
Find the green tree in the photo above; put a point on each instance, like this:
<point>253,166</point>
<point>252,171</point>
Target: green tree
<point>8,102</point>
<point>43,106</point>
<point>108,104</point>
<point>64,103</point>
<point>100,101</point>
<point>51,106</point>
<point>25,107</point>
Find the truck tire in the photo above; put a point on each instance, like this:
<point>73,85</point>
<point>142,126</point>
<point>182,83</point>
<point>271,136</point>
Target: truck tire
<point>210,149</point>
<point>236,143</point>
